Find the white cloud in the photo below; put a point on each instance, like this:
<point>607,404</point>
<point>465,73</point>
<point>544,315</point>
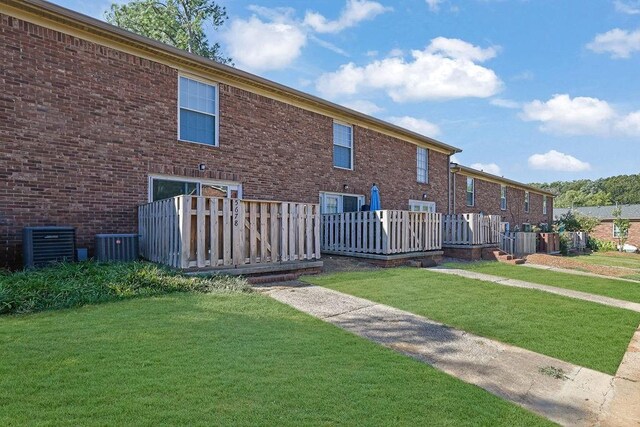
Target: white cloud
<point>395,52</point>
<point>423,127</point>
<point>491,168</point>
<point>556,161</point>
<point>257,45</point>
<point>564,115</point>
<point>354,12</point>
<point>619,43</point>
<point>454,159</point>
<point>366,107</point>
<point>372,53</point>
<point>629,125</point>
<point>629,8</point>
<point>446,69</point>
<point>504,103</point>
<point>434,5</point>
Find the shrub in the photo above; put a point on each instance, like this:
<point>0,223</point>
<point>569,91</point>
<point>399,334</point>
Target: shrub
<point>72,285</point>
<point>598,245</point>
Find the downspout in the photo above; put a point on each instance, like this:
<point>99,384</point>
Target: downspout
<point>449,184</point>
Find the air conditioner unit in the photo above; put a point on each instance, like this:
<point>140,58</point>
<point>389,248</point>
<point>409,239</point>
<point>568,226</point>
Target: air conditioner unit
<point>46,245</point>
<point>116,247</point>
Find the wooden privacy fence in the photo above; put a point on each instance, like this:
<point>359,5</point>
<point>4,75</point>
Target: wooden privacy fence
<point>196,231</point>
<point>576,240</point>
<point>382,232</point>
<point>518,243</point>
<point>471,229</point>
<point>548,243</point>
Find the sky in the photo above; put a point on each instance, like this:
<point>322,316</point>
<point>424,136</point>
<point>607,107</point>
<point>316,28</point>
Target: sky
<point>534,90</point>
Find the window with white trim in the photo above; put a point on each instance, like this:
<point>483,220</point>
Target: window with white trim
<point>339,202</point>
<point>165,187</point>
<point>422,157</point>
<point>544,205</point>
<point>526,201</point>
<point>616,231</point>
<point>422,206</point>
<point>198,112</point>
<point>342,146</point>
<point>470,191</point>
<point>503,197</point>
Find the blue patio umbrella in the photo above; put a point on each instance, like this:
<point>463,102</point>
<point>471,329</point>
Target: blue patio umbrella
<point>375,198</point>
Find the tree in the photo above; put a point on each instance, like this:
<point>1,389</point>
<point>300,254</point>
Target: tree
<point>575,221</point>
<point>621,225</point>
<point>179,23</point>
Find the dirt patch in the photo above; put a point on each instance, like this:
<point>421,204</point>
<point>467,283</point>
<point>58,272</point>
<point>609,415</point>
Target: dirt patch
<point>567,262</point>
<point>336,264</point>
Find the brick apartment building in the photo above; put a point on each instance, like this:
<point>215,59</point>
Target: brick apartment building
<point>95,120</point>
<point>606,230</point>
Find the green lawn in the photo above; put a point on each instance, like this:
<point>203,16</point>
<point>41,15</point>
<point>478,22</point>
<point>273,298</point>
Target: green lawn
<point>220,359</point>
<point>612,259</point>
<point>580,332</point>
<point>613,288</point>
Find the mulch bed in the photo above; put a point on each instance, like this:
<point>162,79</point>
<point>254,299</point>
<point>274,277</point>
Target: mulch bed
<point>567,262</point>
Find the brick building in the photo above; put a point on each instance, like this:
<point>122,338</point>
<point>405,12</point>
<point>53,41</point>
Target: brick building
<point>474,191</point>
<point>95,120</point>
<point>606,230</point>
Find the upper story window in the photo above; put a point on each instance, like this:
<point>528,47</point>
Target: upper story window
<point>423,165</point>
<point>503,197</point>
<point>342,146</point>
<point>526,201</point>
<point>198,116</point>
<point>470,191</point>
<point>544,205</point>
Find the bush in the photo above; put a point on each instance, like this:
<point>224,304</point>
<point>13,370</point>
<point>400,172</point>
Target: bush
<point>73,285</point>
<point>598,245</point>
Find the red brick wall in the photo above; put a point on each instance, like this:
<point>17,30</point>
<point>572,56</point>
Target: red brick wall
<point>604,231</point>
<point>82,126</point>
<point>487,200</point>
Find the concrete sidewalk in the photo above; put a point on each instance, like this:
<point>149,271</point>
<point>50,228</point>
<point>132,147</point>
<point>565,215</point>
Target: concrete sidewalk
<point>551,289</point>
<point>563,392</point>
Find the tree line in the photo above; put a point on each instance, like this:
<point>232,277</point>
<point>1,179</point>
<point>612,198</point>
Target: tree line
<point>621,189</point>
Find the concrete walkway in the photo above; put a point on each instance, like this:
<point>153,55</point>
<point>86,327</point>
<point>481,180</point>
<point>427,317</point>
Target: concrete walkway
<point>576,272</point>
<point>563,392</point>
<point>551,289</point>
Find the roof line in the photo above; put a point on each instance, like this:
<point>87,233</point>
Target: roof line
<point>68,17</point>
<point>455,167</point>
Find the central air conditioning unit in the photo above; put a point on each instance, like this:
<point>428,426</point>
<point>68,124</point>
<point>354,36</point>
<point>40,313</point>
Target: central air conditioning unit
<point>116,247</point>
<point>45,245</point>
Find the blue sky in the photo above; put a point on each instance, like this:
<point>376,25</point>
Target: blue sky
<point>535,90</point>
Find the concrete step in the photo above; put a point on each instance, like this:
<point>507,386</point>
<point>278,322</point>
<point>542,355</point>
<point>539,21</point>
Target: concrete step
<point>272,278</point>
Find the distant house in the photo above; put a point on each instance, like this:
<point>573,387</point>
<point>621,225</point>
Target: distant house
<point>606,230</point>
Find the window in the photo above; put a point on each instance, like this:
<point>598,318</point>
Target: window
<point>338,203</point>
<point>503,197</point>
<point>197,118</point>
<point>616,231</point>
<point>526,201</point>
<point>161,188</point>
<point>544,205</point>
<point>423,165</point>
<point>422,206</point>
<point>342,146</point>
<point>470,191</point>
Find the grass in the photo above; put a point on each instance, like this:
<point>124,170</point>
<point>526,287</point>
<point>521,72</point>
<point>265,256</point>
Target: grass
<point>76,284</point>
<point>220,359</point>
<point>584,333</point>
<point>613,288</point>
<point>612,259</point>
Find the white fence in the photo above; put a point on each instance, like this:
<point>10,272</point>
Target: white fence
<point>195,231</point>
<point>471,229</point>
<point>518,243</point>
<point>576,240</point>
<point>381,232</point>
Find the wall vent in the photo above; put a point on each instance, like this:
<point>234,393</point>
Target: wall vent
<point>46,245</point>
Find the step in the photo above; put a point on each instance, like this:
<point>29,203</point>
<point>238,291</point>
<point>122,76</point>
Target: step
<point>272,278</point>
